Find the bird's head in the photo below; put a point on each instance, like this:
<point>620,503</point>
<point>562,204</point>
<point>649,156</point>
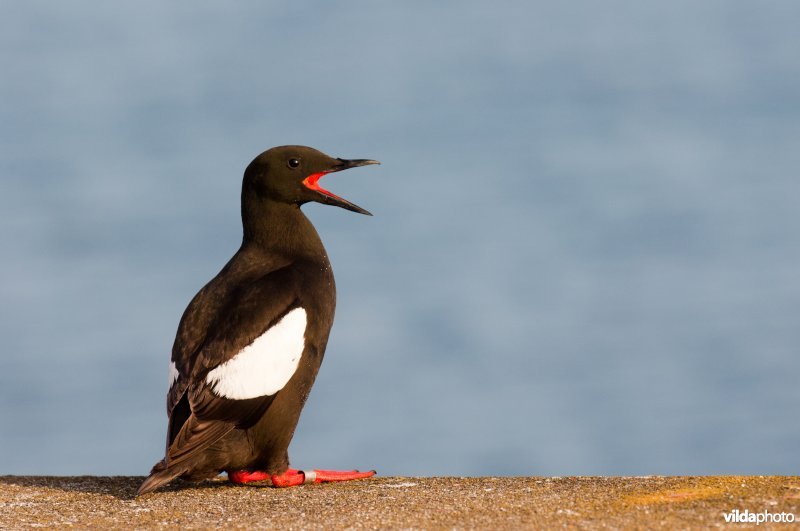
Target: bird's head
<point>291,174</point>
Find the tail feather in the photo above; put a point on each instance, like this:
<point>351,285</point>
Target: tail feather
<point>159,476</point>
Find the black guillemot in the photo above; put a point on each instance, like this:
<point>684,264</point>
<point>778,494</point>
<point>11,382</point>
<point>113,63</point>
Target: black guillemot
<point>250,343</point>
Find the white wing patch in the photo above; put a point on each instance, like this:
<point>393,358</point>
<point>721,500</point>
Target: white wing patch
<point>173,373</point>
<point>264,366</point>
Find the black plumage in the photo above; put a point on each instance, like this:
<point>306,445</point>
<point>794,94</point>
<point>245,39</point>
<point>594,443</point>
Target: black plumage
<point>281,266</point>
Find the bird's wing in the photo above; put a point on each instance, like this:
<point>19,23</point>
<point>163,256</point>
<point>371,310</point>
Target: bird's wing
<point>250,352</point>
<point>198,319</point>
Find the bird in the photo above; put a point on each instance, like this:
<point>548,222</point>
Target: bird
<point>250,343</point>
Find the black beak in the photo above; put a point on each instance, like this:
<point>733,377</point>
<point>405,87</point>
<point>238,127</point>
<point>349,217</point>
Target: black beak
<point>345,164</point>
<point>330,198</point>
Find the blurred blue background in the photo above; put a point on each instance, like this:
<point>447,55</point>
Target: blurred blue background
<point>584,255</point>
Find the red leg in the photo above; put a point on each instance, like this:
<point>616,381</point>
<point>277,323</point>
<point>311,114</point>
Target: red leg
<point>245,476</point>
<point>290,478</point>
<point>293,478</point>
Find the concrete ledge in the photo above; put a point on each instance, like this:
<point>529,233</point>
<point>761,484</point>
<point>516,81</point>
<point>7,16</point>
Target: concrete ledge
<point>399,502</point>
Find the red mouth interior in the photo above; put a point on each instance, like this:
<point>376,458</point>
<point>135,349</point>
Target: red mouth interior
<point>311,183</point>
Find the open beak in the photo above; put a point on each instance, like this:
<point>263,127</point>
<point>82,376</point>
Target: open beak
<point>329,198</point>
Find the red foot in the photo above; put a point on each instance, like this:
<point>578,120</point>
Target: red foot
<point>245,476</point>
<point>292,477</point>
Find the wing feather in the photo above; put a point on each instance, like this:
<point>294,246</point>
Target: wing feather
<point>250,311</point>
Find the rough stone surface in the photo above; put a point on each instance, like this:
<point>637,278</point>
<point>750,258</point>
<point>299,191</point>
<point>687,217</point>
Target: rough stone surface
<point>400,502</point>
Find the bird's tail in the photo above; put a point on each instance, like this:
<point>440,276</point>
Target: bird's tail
<point>159,476</point>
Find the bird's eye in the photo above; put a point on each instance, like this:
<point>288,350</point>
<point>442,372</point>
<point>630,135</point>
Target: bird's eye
<point>293,163</point>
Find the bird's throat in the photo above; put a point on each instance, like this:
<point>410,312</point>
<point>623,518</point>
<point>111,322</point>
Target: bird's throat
<point>279,227</point>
